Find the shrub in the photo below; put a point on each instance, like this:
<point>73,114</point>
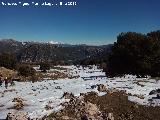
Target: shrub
<point>135,53</point>
<point>26,70</point>
<point>8,60</point>
<point>44,66</point>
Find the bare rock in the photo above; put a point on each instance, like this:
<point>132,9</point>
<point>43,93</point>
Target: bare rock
<point>17,115</point>
<point>78,108</point>
<point>110,116</point>
<point>91,109</point>
<point>19,104</point>
<point>67,95</point>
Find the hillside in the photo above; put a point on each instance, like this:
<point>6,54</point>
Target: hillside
<point>37,52</point>
<point>90,94</point>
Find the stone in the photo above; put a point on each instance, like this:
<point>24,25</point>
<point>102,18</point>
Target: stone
<point>67,95</point>
<point>17,115</point>
<point>91,109</point>
<point>110,116</point>
<point>18,103</point>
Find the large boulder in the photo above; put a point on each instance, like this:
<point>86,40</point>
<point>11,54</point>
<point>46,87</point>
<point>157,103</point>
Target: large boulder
<point>17,115</point>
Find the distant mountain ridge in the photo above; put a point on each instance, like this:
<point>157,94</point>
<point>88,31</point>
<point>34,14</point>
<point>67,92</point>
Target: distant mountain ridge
<point>38,51</point>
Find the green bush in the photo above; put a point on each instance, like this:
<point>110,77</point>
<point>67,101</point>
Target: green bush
<point>135,53</point>
<point>44,66</point>
<point>26,70</point>
<point>8,60</point>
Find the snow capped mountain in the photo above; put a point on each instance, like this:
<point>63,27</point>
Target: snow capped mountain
<point>54,42</point>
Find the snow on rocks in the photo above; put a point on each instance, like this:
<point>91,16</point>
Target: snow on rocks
<point>18,103</point>
<point>82,109</point>
<point>17,115</point>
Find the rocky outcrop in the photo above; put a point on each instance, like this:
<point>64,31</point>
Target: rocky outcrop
<point>80,109</point>
<point>17,115</point>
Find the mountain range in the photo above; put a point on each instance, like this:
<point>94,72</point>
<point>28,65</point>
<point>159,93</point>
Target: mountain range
<point>32,52</point>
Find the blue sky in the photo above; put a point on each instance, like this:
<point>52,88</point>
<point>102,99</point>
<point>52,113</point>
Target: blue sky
<point>94,22</point>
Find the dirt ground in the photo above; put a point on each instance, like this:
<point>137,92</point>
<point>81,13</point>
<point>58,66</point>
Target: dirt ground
<point>122,109</point>
<point>118,104</point>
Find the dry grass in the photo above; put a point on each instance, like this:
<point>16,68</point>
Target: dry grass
<point>7,72</point>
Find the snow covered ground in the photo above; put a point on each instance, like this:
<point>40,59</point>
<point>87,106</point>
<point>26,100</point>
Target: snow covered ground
<point>49,92</point>
<point>138,89</point>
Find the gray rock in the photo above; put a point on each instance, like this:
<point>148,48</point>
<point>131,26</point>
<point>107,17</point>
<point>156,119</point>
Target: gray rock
<point>110,116</point>
<point>67,95</point>
<point>17,115</point>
